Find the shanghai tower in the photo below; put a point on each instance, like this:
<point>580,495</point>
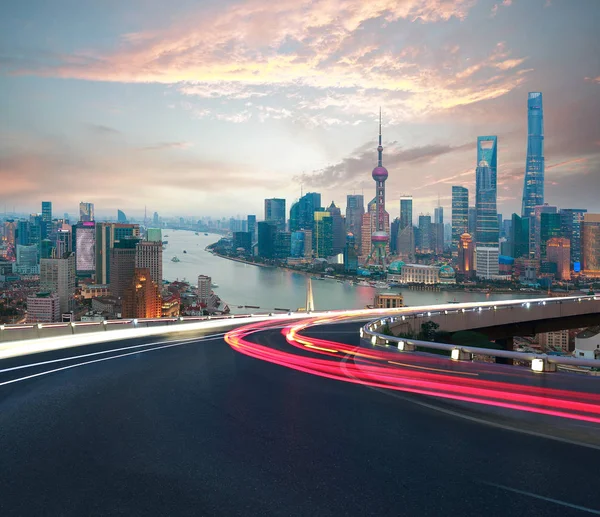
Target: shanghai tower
<point>533,189</point>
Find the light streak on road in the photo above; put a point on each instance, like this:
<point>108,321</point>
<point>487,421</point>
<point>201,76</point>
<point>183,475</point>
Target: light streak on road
<point>372,368</point>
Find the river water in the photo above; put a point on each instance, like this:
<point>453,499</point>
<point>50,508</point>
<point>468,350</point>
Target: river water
<point>270,288</point>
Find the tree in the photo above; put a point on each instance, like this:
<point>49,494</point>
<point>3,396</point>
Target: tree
<point>428,330</point>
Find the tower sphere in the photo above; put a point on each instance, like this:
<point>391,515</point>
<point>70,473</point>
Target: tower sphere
<point>380,174</point>
<point>379,237</point>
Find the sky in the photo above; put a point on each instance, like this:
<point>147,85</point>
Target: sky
<point>199,108</point>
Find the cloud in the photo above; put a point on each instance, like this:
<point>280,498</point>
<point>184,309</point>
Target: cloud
<point>103,130</point>
<point>362,160</point>
<point>593,79</point>
<point>167,145</point>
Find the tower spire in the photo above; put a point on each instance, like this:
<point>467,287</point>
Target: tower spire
<point>379,147</point>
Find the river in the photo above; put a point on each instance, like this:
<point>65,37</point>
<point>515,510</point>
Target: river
<point>270,288</point>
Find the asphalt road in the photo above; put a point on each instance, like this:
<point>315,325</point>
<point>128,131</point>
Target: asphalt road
<point>198,429</point>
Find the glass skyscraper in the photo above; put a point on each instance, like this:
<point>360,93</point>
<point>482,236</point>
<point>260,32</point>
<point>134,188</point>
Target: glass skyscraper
<point>570,225</point>
<point>533,189</point>
<point>355,209</point>
<point>460,214</point>
<point>485,191</point>
<point>47,211</point>
<point>275,212</point>
<point>406,211</point>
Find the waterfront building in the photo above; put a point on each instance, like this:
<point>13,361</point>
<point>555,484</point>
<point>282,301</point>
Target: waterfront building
<point>153,235</point>
<point>570,225</point>
<point>487,261</point>
<point>242,240</point>
<point>57,275</point>
<point>122,265</point>
<point>485,192</point>
<point>460,214</point>
<point>535,227</point>
<point>251,227</point>
<point>107,234</point>
<point>466,256</point>
<point>302,211</point>
<point>472,221</point>
<point>84,245</point>
<point>323,235</point>
<point>86,212</point>
<point>148,255</point>
<point>350,254</point>
<point>283,245</point>
<point>394,231</point>
<point>204,288</point>
<point>275,213</point>
<point>141,298</point>
<point>380,237</point>
<point>294,221</point>
<point>297,244</point>
<point>355,209</point>
<point>437,238</point>
<point>533,187</point>
<point>549,228</point>
<point>406,211</point>
<point>47,211</point>
<point>406,243</point>
<point>388,301</point>
<point>590,243</point>
<point>558,251</point>
<point>338,227</point>
<point>266,239</point>
<point>43,307</point>
<point>402,273</point>
<point>121,217</point>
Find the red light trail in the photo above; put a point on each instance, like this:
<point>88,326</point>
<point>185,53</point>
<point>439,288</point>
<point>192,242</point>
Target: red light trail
<point>381,369</point>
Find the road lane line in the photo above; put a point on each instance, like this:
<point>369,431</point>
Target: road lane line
<point>433,369</point>
<point>31,365</point>
<point>321,348</point>
<point>12,381</point>
<point>542,498</point>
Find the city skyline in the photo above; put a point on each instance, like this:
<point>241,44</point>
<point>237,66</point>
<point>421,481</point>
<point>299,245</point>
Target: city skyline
<point>149,103</point>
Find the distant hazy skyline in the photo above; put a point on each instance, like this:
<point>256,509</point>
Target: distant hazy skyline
<point>198,108</point>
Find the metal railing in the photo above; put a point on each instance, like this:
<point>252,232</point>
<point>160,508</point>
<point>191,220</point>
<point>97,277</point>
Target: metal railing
<point>370,334</point>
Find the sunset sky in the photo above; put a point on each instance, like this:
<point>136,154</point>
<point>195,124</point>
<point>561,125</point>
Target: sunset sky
<point>207,107</point>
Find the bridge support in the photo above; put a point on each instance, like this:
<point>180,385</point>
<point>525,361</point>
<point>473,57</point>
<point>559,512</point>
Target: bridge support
<point>506,344</point>
<point>541,364</point>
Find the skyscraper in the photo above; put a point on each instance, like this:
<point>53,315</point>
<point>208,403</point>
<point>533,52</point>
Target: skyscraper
<point>380,238</point>
<point>155,220</point>
<point>558,251</point>
<point>549,228</point>
<point>338,229</point>
<point>121,217</point>
<point>355,209</point>
<point>266,239</point>
<point>519,236</point>
<point>84,236</point>
<point>23,233</point>
<point>460,214</point>
<point>437,230</point>
<point>533,188</point>
<point>350,254</point>
<point>323,234</point>
<point>142,298</point>
<point>122,265</point>
<point>57,275</point>
<point>535,227</point>
<point>86,212</point>
<point>472,221</point>
<point>251,223</point>
<point>425,234</point>
<point>466,255</point>
<point>394,232</point>
<point>571,221</point>
<point>148,255</point>
<point>486,230</point>
<point>47,211</point>
<point>106,236</point>
<point>275,212</point>
<point>406,211</point>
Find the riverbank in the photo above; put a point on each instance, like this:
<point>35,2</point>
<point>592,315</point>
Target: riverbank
<point>237,259</point>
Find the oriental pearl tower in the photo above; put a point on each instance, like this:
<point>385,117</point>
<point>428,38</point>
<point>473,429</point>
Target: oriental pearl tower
<point>380,237</point>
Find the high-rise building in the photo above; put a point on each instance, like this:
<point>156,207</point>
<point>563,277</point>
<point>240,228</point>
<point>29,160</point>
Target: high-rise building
<point>406,211</point>
<point>106,236</point>
<point>122,265</point>
<point>154,235</point>
<point>27,256</point>
<point>294,221</point>
<point>204,288</point>
<point>64,242</point>
<point>156,220</point>
<point>460,214</point>
<point>558,251</point>
<point>394,231</point>
<point>437,230</point>
<point>466,256</point>
<point>47,211</point>
<point>298,244</point>
<point>266,239</point>
<point>43,307</point>
<point>355,209</point>
<point>487,261</point>
<point>283,245</point>
<point>23,233</point>
<point>472,221</point>
<point>533,188</point>
<point>406,243</point>
<point>425,234</point>
<point>242,240</point>
<point>350,255</point>
<point>590,244</point>
<point>571,221</point>
<point>86,212</point>
<point>380,237</point>
<point>549,228</point>
<point>323,234</point>
<point>338,228</point>
<point>302,213</point>
<point>148,255</point>
<point>121,217</point>
<point>535,228</point>
<point>141,298</point>
<point>275,212</point>
<point>519,236</point>
<point>485,192</point>
<point>251,225</point>
<point>84,238</point>
<point>57,275</point>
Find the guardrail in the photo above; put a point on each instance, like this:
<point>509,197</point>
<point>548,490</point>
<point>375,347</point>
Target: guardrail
<point>539,362</point>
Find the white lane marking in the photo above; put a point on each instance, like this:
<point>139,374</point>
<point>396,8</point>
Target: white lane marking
<point>393,393</point>
<point>62,359</point>
<point>95,361</point>
<point>542,498</point>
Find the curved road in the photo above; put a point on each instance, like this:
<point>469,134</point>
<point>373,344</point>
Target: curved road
<point>189,426</point>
